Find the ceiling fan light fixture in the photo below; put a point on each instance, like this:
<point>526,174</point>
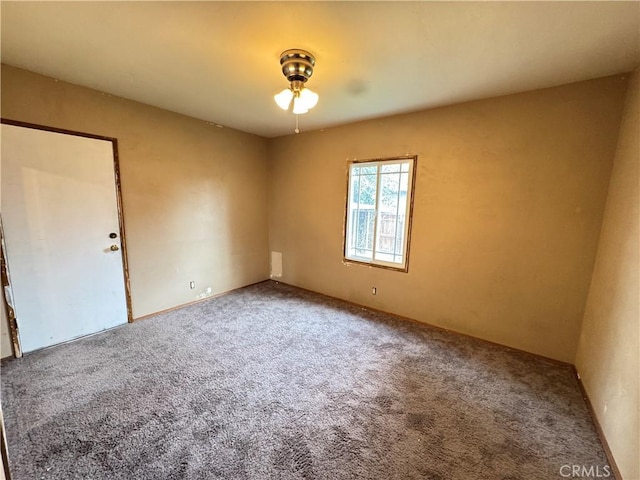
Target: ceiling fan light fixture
<point>283,99</point>
<point>309,98</point>
<point>298,106</point>
<point>297,66</point>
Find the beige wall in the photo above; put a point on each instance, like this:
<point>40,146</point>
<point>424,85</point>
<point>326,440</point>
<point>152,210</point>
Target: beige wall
<point>5,338</point>
<point>609,354</point>
<point>194,195</point>
<point>509,200</point>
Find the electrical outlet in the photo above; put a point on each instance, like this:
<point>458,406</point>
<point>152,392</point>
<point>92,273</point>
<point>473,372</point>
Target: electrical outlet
<point>192,285</point>
<point>374,290</point>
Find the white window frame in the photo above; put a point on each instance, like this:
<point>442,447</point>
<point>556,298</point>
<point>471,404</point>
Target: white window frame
<point>404,265</point>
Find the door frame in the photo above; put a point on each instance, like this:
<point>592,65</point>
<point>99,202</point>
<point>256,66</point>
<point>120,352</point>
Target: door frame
<point>116,171</point>
<point>7,296</point>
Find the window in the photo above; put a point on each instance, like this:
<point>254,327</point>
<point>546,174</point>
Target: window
<point>378,214</point>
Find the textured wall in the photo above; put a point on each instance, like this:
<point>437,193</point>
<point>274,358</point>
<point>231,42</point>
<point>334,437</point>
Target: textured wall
<point>609,353</point>
<point>194,195</point>
<point>509,199</point>
<point>5,339</point>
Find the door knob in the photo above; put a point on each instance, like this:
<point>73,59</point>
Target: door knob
<point>114,248</point>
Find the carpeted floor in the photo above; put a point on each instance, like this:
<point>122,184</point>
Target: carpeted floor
<point>272,382</point>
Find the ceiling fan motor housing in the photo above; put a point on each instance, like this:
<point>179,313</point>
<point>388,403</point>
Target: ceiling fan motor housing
<point>297,65</point>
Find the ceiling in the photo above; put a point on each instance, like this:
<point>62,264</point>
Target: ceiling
<point>219,61</point>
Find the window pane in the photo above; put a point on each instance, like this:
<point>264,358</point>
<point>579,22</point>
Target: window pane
<point>391,217</point>
<point>355,189</point>
<point>387,216</point>
<point>405,167</point>
<point>372,170</point>
<point>399,236</point>
<point>364,227</point>
<point>392,168</point>
<point>368,185</point>
<point>404,193</point>
<point>389,188</point>
<point>361,214</point>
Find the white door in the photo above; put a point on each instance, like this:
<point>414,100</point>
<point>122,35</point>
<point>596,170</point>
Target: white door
<point>59,209</point>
